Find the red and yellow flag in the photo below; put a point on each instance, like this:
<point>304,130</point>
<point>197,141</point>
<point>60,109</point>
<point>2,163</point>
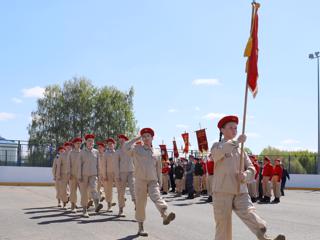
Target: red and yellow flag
<point>202,140</point>
<point>164,152</point>
<point>185,137</point>
<point>251,52</point>
<point>175,149</point>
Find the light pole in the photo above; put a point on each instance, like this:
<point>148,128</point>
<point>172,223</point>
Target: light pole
<point>316,55</point>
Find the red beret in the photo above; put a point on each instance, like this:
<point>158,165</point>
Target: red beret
<point>61,148</point>
<point>267,159</point>
<point>110,140</point>
<point>67,144</point>
<point>122,136</point>
<point>87,136</point>
<point>101,144</point>
<point>227,119</point>
<point>147,130</point>
<point>78,139</point>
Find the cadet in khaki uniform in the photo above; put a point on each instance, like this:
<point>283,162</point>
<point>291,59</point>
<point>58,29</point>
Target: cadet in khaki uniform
<point>165,177</point>
<point>210,171</point>
<point>123,169</point>
<point>88,175</point>
<point>253,185</point>
<point>63,173</point>
<point>101,149</point>
<point>74,159</point>
<point>107,171</point>
<point>55,176</point>
<point>147,163</point>
<point>227,177</point>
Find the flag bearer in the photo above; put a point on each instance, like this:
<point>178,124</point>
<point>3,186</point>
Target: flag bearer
<point>230,184</point>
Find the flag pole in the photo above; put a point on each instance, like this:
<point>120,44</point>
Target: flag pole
<point>245,103</point>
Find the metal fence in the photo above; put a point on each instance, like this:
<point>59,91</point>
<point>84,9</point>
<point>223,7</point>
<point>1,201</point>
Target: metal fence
<point>21,153</point>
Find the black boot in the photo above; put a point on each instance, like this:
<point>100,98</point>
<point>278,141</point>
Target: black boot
<point>253,199</point>
<point>209,199</point>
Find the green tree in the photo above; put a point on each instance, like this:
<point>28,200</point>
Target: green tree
<point>78,108</point>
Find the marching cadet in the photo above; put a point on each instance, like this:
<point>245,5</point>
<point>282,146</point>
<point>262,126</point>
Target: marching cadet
<point>74,160</point>
<point>198,173</point>
<point>267,172</point>
<point>63,172</point>
<point>230,184</point>
<point>253,185</point>
<point>88,175</point>
<point>179,171</point>
<point>276,181</point>
<point>147,163</point>
<point>210,171</point>
<point>204,189</point>
<point>165,177</point>
<point>285,175</point>
<point>56,178</point>
<point>101,150</point>
<point>123,169</point>
<point>108,171</point>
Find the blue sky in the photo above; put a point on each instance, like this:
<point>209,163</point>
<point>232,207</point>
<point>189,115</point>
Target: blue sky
<point>184,59</point>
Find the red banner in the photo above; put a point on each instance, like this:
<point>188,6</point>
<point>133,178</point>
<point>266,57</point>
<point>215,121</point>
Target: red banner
<point>251,52</point>
<point>202,140</point>
<point>185,137</point>
<point>164,152</point>
<point>175,149</point>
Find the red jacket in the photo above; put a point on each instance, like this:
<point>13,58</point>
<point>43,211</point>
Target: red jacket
<point>204,167</point>
<point>210,167</point>
<point>277,171</point>
<point>257,167</point>
<point>165,170</point>
<point>267,170</point>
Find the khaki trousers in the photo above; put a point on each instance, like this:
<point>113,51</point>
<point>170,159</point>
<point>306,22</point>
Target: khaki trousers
<point>184,183</point>
<point>108,186</point>
<point>56,186</point>
<point>126,178</point>
<point>204,182</point>
<point>223,205</point>
<point>63,188</point>
<point>276,189</point>
<point>88,189</point>
<point>143,188</point>
<point>252,188</point>
<point>266,187</point>
<point>210,185</point>
<point>165,182</point>
<point>178,185</point>
<point>197,183</point>
<point>73,183</point>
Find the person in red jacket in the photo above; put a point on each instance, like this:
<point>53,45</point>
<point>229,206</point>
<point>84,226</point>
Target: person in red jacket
<point>210,171</point>
<point>276,180</point>
<point>204,189</point>
<point>253,185</point>
<point>165,177</point>
<point>266,178</point>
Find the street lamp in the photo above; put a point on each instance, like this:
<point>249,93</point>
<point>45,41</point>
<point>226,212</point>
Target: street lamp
<point>316,55</point>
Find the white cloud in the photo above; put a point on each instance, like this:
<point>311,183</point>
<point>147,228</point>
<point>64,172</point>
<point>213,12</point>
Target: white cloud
<point>212,116</point>
<point>6,116</point>
<point>35,92</point>
<point>253,135</point>
<point>206,81</point>
<point>289,141</point>
<point>16,100</point>
<point>182,126</point>
<point>172,110</point>
<point>197,108</point>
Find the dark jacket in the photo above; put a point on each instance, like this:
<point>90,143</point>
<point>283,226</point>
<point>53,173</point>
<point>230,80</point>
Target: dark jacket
<point>198,170</point>
<point>179,172</point>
